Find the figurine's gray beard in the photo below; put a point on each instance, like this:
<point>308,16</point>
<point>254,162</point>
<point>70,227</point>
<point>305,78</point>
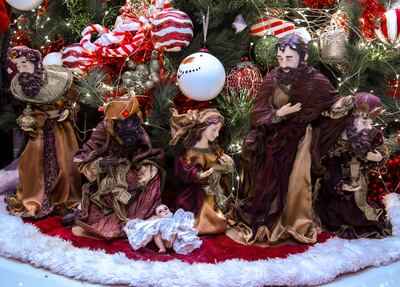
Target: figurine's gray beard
<point>31,83</point>
<point>361,141</point>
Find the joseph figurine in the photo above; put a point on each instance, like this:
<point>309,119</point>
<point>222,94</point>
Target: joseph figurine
<point>297,115</point>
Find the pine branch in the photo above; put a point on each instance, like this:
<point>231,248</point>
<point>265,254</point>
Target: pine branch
<point>91,93</point>
<point>158,121</point>
<point>236,109</point>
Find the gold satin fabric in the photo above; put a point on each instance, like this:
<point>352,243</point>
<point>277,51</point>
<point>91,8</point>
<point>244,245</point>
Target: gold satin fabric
<point>210,219</point>
<point>297,218</point>
<point>31,188</point>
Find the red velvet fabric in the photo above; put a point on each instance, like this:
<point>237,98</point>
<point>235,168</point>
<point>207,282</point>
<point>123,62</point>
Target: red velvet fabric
<point>214,249</point>
<point>4,19</point>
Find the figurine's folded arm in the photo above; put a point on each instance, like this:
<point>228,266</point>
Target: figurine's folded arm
<point>90,169</point>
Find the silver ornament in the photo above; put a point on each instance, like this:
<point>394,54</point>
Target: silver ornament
<point>127,82</point>
<point>333,45</point>
<point>149,84</point>
<point>142,67</point>
<point>154,64</point>
<point>127,75</point>
<point>154,77</point>
<point>131,65</point>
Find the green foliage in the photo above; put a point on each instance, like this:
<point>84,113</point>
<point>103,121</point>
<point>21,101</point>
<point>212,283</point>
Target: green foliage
<point>90,88</point>
<point>367,68</point>
<point>157,123</point>
<point>236,108</point>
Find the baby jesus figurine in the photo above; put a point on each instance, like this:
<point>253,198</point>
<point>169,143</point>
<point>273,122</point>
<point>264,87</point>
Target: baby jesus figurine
<point>167,229</point>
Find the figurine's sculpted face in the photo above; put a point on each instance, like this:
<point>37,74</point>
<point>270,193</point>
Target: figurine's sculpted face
<point>162,211</point>
<point>288,59</point>
<point>23,65</point>
<point>362,122</point>
<point>212,132</point>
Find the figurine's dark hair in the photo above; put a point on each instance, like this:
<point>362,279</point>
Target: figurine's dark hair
<point>294,42</point>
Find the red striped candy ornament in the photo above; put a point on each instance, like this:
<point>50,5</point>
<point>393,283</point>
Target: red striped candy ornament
<point>271,26</point>
<point>172,30</point>
<point>389,27</point>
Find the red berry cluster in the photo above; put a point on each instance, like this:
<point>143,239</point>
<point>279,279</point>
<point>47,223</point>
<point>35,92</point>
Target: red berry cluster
<point>389,181</point>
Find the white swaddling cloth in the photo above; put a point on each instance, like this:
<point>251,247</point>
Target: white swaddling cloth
<point>140,232</point>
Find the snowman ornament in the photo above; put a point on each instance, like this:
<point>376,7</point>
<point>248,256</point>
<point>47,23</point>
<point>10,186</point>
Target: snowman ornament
<point>201,76</point>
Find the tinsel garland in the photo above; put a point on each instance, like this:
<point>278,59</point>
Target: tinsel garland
<point>371,11</point>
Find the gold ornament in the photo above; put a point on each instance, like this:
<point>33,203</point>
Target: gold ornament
<point>27,121</point>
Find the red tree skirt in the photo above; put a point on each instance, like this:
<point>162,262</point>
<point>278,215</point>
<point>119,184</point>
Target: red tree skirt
<point>213,250</point>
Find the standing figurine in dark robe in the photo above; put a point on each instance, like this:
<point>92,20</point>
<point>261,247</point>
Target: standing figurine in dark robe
<point>342,198</point>
<point>283,146</point>
<point>124,171</point>
<point>202,170</point>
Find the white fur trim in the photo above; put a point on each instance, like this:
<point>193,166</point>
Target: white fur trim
<point>8,179</point>
<point>320,264</point>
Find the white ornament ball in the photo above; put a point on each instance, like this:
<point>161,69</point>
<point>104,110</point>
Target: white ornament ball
<point>201,76</point>
<point>24,4</point>
<point>54,58</point>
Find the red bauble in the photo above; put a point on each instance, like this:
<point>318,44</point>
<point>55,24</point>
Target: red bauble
<point>4,19</point>
<point>388,29</point>
<point>244,77</point>
<point>172,30</point>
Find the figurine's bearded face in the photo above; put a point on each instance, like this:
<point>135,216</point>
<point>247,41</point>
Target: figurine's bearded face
<point>290,66</point>
<point>288,59</point>
<point>362,122</point>
<point>128,130</point>
<point>23,65</point>
<point>359,134</point>
<point>28,64</point>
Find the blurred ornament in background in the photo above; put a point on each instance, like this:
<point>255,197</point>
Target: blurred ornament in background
<point>271,26</point>
<point>389,27</point>
<point>239,24</point>
<point>304,34</point>
<point>171,30</point>
<point>265,52</point>
<point>245,77</point>
<point>53,58</point>
<point>334,40</point>
<point>24,5</point>
<point>201,76</point>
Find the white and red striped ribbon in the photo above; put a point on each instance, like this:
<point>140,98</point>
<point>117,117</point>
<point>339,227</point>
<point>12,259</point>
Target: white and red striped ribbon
<point>271,26</point>
<point>389,28</point>
<point>128,34</point>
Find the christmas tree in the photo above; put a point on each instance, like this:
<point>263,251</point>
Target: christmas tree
<point>108,43</point>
